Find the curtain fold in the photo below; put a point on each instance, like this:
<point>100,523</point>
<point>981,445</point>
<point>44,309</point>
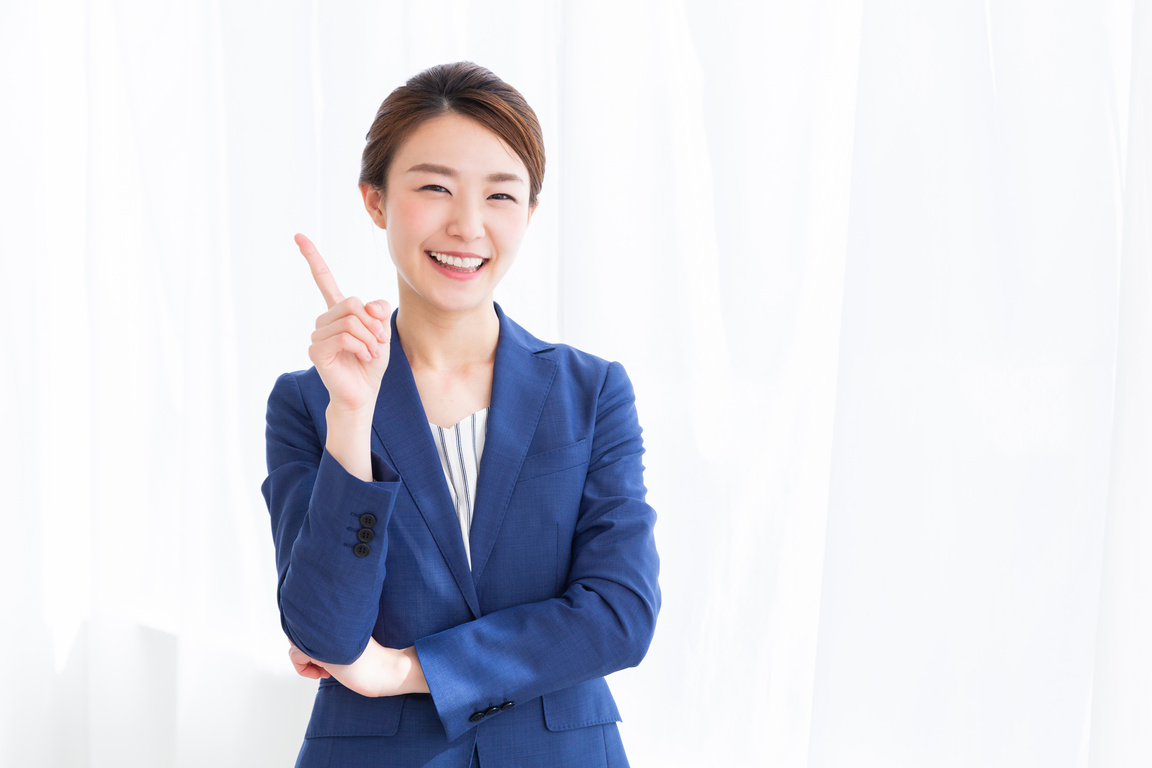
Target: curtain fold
<point>972,438</point>
<point>1121,704</point>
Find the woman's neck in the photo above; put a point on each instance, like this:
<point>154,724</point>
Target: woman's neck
<point>441,341</point>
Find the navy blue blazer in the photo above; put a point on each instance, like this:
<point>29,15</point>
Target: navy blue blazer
<point>563,584</point>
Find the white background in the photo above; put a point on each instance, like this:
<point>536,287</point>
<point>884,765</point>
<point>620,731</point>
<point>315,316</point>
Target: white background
<point>880,272</point>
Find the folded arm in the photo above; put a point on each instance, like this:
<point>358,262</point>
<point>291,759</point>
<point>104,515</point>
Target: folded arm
<point>604,620</point>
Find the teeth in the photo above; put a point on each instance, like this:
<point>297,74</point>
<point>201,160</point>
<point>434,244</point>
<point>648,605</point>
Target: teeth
<point>456,261</point>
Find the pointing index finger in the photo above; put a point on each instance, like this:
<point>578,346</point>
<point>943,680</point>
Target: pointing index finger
<point>320,272</point>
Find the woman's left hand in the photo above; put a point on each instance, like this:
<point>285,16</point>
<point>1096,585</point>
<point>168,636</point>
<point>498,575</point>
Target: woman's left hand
<point>379,671</point>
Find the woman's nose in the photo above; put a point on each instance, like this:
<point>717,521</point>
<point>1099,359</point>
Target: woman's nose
<point>467,221</point>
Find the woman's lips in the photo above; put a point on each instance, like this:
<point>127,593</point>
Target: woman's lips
<point>457,263</point>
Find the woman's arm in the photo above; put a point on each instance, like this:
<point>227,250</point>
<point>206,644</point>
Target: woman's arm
<point>604,620</point>
<point>379,671</point>
<point>328,590</point>
<point>330,504</point>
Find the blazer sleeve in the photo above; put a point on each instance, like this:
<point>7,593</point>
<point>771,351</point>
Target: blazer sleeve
<point>328,591</point>
<point>604,620</point>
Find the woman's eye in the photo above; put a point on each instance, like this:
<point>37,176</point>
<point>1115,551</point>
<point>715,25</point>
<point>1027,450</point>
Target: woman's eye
<point>502,196</point>
<point>433,188</point>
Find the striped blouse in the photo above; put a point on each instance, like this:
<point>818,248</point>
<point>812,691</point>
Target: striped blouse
<point>460,447</point>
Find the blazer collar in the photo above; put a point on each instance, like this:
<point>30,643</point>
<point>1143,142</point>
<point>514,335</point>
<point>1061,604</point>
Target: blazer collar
<point>521,380</point>
<point>520,383</point>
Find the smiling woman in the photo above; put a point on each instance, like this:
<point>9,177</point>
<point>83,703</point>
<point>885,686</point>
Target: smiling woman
<point>462,540</point>
<point>457,206</point>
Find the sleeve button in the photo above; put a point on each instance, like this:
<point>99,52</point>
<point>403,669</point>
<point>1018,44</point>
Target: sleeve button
<point>507,705</point>
<point>491,711</point>
<point>365,535</point>
<point>361,550</point>
<point>368,520</point>
<point>476,717</point>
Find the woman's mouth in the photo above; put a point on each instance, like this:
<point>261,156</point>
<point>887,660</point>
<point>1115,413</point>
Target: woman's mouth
<point>462,264</point>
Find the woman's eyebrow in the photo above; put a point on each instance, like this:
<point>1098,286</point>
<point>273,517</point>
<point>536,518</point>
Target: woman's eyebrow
<point>498,177</point>
<point>443,170</point>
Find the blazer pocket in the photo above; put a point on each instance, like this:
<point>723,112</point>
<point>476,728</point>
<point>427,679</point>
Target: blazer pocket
<point>341,712</point>
<point>582,705</point>
<point>554,460</point>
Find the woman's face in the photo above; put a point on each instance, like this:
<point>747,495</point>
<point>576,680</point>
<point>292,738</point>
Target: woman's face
<point>455,212</point>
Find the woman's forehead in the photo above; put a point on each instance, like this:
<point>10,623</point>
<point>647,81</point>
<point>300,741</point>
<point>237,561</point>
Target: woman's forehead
<point>452,144</point>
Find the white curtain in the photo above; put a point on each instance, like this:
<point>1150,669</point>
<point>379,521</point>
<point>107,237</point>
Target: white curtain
<point>880,272</point>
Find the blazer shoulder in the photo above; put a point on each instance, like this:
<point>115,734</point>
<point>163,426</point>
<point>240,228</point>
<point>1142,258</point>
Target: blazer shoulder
<point>305,386</point>
<point>574,364</point>
<point>578,363</point>
<point>296,409</point>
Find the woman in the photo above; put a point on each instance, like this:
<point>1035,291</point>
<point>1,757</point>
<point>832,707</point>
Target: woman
<point>457,611</point>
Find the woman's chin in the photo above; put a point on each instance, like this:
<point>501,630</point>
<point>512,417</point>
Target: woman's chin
<point>448,302</point>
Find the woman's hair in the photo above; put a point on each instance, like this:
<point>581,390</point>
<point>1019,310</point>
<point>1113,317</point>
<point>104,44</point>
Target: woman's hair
<point>465,89</point>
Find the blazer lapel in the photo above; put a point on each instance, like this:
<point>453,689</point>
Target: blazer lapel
<point>520,384</point>
<point>401,426</point>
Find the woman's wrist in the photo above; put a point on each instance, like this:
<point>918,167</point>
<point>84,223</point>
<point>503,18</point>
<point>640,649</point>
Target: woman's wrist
<point>349,439</point>
<point>410,673</point>
<point>384,671</point>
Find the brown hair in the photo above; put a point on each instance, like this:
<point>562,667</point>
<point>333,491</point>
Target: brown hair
<point>463,88</point>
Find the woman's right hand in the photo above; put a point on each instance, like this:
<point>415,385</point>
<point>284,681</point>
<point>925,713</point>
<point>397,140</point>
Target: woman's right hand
<point>379,671</point>
<point>351,343</point>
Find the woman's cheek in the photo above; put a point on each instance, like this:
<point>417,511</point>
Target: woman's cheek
<point>415,216</point>
<point>511,227</point>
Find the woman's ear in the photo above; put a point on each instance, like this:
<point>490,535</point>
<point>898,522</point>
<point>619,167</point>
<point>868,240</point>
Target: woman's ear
<point>374,204</point>
<point>532,210</point>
